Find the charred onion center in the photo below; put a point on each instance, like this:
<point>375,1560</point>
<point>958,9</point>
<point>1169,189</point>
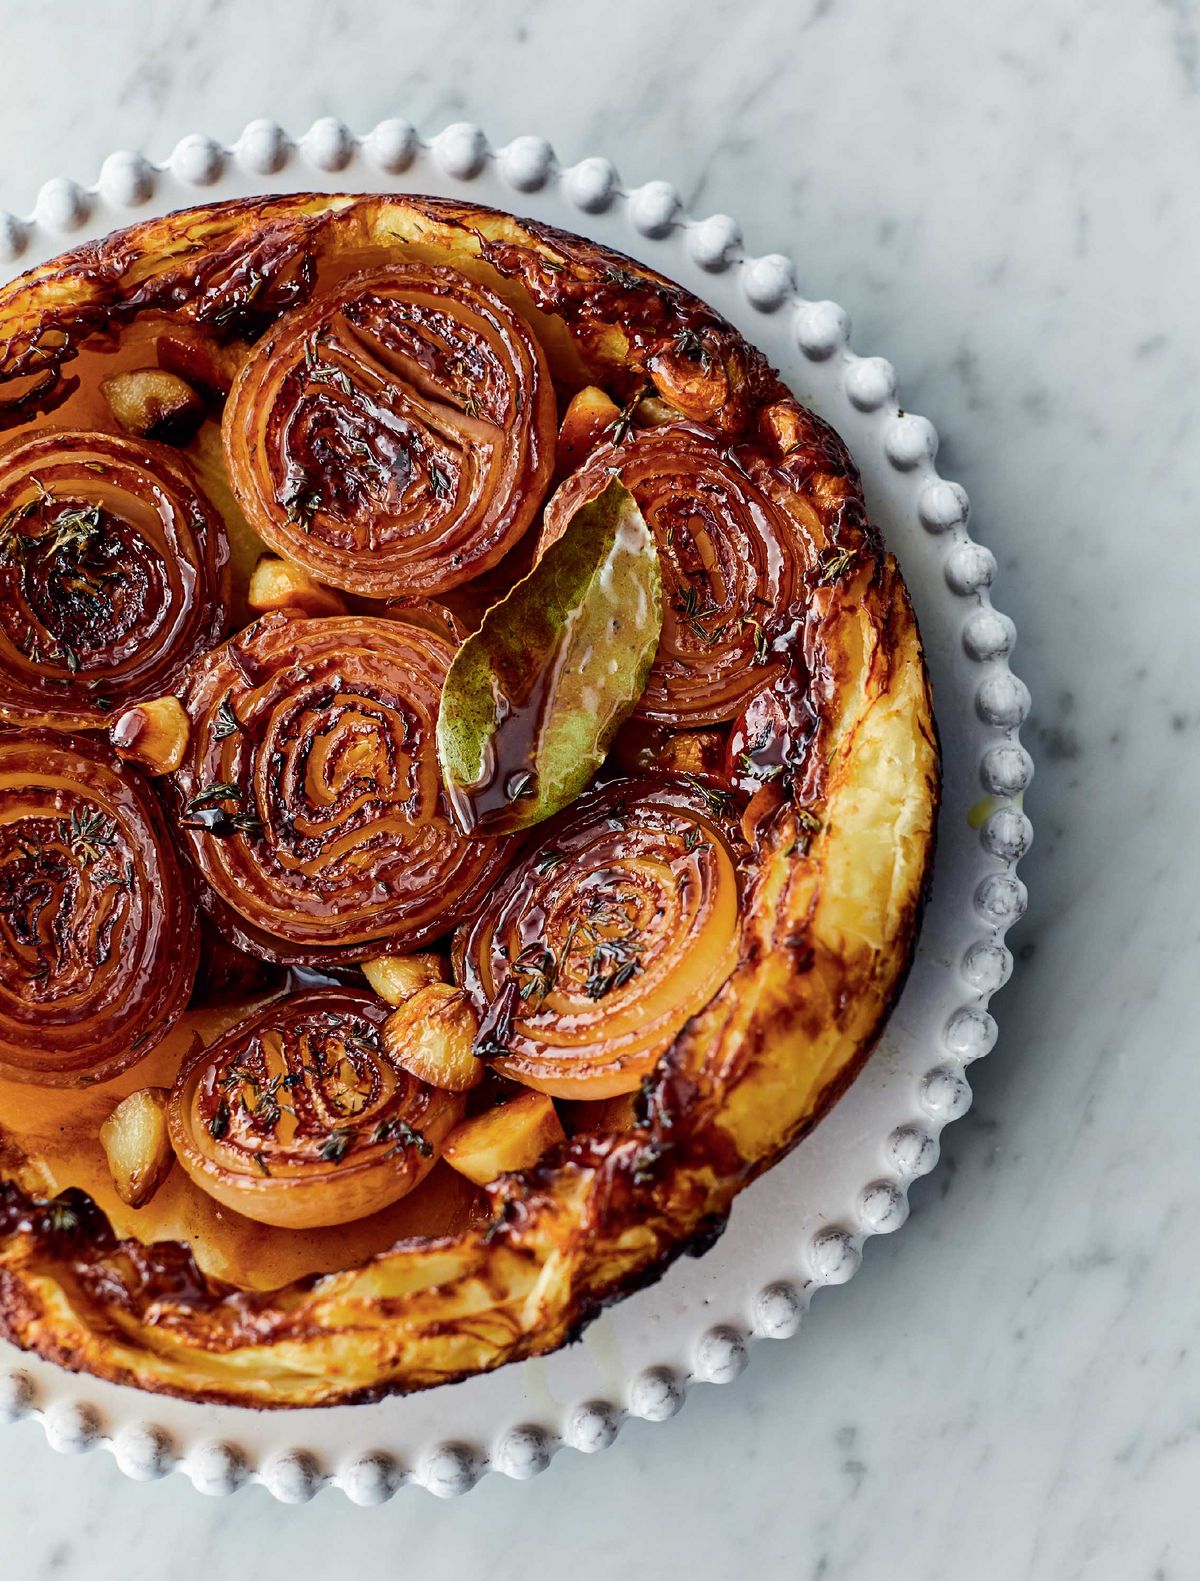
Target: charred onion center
<point>597,947</point>
<point>395,436</point>
<point>98,942</point>
<point>732,564</point>
<point>311,798</point>
<point>113,576</point>
<point>296,1117</point>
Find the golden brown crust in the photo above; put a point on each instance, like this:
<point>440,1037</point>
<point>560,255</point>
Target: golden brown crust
<point>832,892</point>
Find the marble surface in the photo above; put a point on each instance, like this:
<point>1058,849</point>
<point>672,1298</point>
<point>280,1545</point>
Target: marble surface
<point>1003,196</point>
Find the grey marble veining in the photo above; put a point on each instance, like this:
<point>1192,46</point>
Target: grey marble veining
<point>1004,196</point>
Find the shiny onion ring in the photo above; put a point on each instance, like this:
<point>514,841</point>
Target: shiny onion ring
<point>296,1117</point>
<point>396,436</point>
<point>113,576</point>
<point>732,565</point>
<point>98,937</point>
<point>310,797</point>
<point>596,948</point>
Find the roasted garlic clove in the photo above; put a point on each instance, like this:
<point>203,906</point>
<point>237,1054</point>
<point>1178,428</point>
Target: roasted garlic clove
<point>154,405</point>
<point>153,735</point>
<point>281,584</point>
<point>398,977</point>
<point>432,1035</point>
<point>690,376</point>
<point>590,412</point>
<point>137,1145</point>
<point>643,747</point>
<point>652,412</point>
<point>513,1136</point>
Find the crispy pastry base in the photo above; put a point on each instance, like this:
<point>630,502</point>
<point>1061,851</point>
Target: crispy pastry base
<point>830,917</point>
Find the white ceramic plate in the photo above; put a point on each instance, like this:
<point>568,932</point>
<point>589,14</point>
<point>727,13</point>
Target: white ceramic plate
<point>803,1224</point>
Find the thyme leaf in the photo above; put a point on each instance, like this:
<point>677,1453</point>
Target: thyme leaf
<point>689,344</point>
<point>536,971</point>
<point>834,564</point>
<point>336,1145</point>
<point>222,790</point>
<point>403,1136</point>
<point>717,801</point>
<point>219,1124</point>
<point>90,834</point>
<point>624,278</point>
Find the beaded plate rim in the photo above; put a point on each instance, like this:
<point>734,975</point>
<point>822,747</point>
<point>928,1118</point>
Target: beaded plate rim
<point>515,1420</point>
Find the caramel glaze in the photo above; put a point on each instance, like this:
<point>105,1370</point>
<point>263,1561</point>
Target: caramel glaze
<point>234,270</point>
<point>617,925</point>
<point>396,436</point>
<point>49,1143</point>
<point>310,800</point>
<point>298,1118</point>
<point>733,563</point>
<point>97,923</point>
<point>113,575</point>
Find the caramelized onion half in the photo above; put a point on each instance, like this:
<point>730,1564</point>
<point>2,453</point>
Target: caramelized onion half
<point>310,797</point>
<point>297,1118</point>
<point>598,945</point>
<point>113,575</point>
<point>732,566</point>
<point>98,938</point>
<point>395,436</point>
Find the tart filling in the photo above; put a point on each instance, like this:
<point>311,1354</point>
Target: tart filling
<point>467,788</point>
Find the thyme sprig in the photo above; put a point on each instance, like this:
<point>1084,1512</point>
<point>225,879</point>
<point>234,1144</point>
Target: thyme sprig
<point>301,504</point>
<point>337,1144</point>
<point>211,795</point>
<point>834,564</point>
<point>623,423</point>
<point>536,971</point>
<point>719,802</point>
<point>625,279</point>
<point>688,344</point>
<point>403,1136</point>
<point>90,834</point>
<point>206,810</point>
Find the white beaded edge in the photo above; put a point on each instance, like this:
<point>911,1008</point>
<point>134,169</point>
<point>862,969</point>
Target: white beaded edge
<point>127,180</point>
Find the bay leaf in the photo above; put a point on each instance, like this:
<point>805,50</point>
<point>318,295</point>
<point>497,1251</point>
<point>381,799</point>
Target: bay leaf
<point>534,698</point>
